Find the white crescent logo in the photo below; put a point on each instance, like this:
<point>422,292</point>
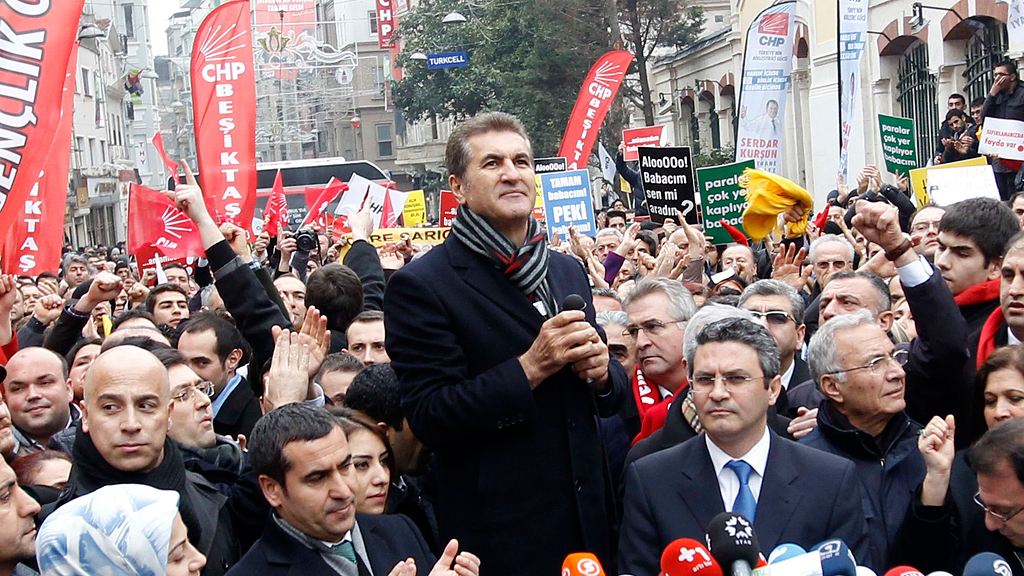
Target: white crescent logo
<point>588,567</point>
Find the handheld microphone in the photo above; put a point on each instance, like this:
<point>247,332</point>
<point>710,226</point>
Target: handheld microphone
<point>574,302</point>
<point>688,557</point>
<point>987,564</point>
<point>865,571</point>
<point>836,558</point>
<point>733,544</point>
<point>785,552</point>
<point>904,571</point>
<point>581,564</point>
<point>939,573</point>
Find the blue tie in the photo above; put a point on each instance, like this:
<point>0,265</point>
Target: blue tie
<point>744,503</point>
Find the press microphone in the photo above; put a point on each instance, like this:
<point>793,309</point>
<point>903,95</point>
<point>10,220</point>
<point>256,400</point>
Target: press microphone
<point>865,571</point>
<point>582,564</point>
<point>688,557</point>
<point>574,302</point>
<point>785,552</point>
<point>904,571</point>
<point>836,558</point>
<point>829,558</point>
<point>732,543</point>
<point>987,564</point>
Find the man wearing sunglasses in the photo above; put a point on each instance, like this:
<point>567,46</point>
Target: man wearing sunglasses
<point>863,419</point>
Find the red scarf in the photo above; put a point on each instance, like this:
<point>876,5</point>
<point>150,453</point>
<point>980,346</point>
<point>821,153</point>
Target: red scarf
<point>987,340</point>
<point>646,396</point>
<point>979,293</point>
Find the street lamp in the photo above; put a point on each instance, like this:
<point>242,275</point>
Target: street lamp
<point>90,31</point>
<point>453,17</point>
<point>417,56</point>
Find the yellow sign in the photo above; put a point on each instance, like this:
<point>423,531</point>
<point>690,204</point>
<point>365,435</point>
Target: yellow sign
<point>919,176</point>
<point>538,207</point>
<point>432,236</point>
<point>415,211</point>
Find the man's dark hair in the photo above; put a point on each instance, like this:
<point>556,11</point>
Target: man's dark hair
<point>746,332</point>
<point>169,357</point>
<point>69,358</point>
<point>296,422</point>
<point>46,275</point>
<point>881,288</point>
<point>954,113</point>
<point>178,265</point>
<point>648,237</point>
<point>1013,198</point>
<point>769,103</point>
<point>131,315</point>
<point>162,289</point>
<point>959,97</point>
<point>616,214</point>
<point>1010,65</point>
<point>338,362</point>
<point>458,152</point>
<point>368,316</point>
<point>227,335</point>
<point>337,293</point>
<point>1003,442</point>
<point>986,221</point>
<point>374,392</point>
<point>979,101</point>
<point>144,342</point>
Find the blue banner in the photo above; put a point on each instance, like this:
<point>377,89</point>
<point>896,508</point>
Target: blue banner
<point>447,60</point>
<point>567,203</point>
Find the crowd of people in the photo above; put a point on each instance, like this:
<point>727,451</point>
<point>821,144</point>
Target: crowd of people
<point>503,400</point>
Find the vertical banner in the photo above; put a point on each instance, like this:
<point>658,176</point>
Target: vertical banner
<point>449,208</point>
<point>38,39</point>
<point>853,33</point>
<point>33,243</point>
<point>767,61</point>
<point>281,28</point>
<point>224,103</point>
<point>596,94</point>
<point>667,174</point>
<point>385,24</point>
<point>898,147</point>
<point>567,203</point>
<point>722,199</point>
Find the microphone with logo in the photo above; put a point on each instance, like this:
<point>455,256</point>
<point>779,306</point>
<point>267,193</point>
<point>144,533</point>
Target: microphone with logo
<point>987,564</point>
<point>829,558</point>
<point>582,564</point>
<point>688,557</point>
<point>904,571</point>
<point>733,544</point>
<point>784,552</point>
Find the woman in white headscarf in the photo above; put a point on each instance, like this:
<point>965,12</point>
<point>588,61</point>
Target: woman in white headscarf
<point>122,530</point>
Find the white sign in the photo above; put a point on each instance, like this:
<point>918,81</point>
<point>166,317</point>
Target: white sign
<point>951,185</point>
<point>1002,137</point>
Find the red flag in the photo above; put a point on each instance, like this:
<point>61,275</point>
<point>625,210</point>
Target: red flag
<point>599,88</point>
<point>224,103</point>
<point>276,211</point>
<point>39,39</point>
<point>316,211</point>
<point>172,166</point>
<point>155,226</point>
<point>449,207</point>
<point>33,243</point>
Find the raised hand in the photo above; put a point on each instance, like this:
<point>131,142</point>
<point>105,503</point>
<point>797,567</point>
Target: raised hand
<point>48,308</point>
<point>788,267</point>
<point>879,223</point>
<point>314,334</point>
<point>937,449</point>
<point>288,380</point>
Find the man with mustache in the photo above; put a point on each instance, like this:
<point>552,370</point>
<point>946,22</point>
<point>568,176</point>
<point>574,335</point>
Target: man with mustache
<point>40,397</point>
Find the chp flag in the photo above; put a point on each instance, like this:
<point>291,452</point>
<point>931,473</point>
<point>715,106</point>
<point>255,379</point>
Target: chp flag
<point>667,174</point>
<point>158,229</point>
<point>224,105</point>
<point>767,62</point>
<point>39,38</point>
<point>596,94</point>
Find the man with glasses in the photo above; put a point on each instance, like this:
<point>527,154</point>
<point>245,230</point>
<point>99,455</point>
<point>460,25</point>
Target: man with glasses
<point>781,310</point>
<point>967,504</point>
<point>828,255</point>
<point>790,493</point>
<point>863,419</point>
<point>924,230</point>
<point>1005,100</point>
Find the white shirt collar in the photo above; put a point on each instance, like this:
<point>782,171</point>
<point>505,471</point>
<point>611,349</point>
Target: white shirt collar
<point>788,374</point>
<point>346,538</point>
<point>1011,338</point>
<point>757,456</point>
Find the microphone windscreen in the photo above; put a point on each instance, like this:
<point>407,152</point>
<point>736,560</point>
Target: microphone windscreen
<point>581,564</point>
<point>761,561</point>
<point>903,571</point>
<point>688,557</point>
<point>731,538</point>
<point>938,573</point>
<point>574,302</point>
<point>865,571</point>
<point>987,564</point>
<point>807,564</point>
<point>836,558</point>
<point>785,552</point>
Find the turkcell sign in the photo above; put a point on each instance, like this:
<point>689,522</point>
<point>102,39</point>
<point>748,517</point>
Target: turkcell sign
<point>447,60</point>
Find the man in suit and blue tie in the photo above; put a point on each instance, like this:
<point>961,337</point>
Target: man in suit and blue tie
<point>790,492</point>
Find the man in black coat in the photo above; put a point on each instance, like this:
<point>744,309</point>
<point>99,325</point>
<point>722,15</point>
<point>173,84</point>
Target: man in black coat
<point>504,387</point>
<point>304,466</point>
<point>1005,100</point>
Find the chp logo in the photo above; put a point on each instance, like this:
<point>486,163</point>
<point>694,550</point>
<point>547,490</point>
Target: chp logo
<point>176,224</point>
<point>775,24</point>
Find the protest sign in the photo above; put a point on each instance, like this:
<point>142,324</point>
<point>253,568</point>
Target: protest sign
<point>646,136</point>
<point>898,146</point>
<point>952,185</point>
<point>919,176</point>
<point>667,175</point>
<point>721,198</point>
<point>1002,137</point>
<point>426,235</point>
<point>415,211</point>
<point>449,208</point>
<point>547,165</point>
<point>567,202</point>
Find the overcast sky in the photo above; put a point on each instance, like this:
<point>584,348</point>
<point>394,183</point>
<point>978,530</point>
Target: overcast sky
<point>159,15</point>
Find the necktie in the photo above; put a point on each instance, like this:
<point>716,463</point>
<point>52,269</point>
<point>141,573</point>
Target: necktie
<point>346,550</point>
<point>744,503</point>
<point>774,127</point>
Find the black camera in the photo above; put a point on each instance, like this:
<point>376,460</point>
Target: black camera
<point>306,240</point>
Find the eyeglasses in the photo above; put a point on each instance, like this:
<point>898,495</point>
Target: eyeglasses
<point>925,226</point>
<point>775,317</point>
<point>704,384</point>
<point>188,392</point>
<point>877,364</point>
<point>651,328</point>
<point>826,264</point>
<point>1002,518</point>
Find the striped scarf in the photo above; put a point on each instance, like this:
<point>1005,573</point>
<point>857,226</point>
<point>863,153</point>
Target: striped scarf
<point>526,266</point>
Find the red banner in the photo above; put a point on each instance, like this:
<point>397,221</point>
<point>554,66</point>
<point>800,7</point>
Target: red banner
<point>385,23</point>
<point>276,212</point>
<point>449,207</point>
<point>318,209</point>
<point>600,86</point>
<point>39,37</point>
<point>33,243</point>
<point>224,102</point>
<point>172,166</point>
<point>155,226</point>
<point>637,137</point>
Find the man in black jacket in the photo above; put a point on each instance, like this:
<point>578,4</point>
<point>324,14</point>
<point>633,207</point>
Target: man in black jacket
<point>1005,100</point>
<point>304,466</point>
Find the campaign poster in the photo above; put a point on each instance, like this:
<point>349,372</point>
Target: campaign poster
<point>853,35</point>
